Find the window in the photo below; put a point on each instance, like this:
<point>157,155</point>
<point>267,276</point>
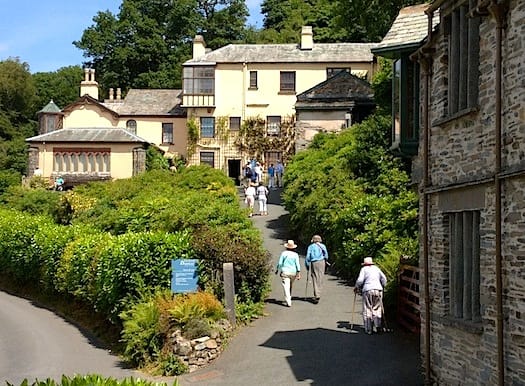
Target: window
<point>405,106</point>
<point>463,60</point>
<point>207,157</point>
<point>131,126</point>
<point>273,125</point>
<point>235,123</point>
<point>199,80</point>
<point>287,81</point>
<point>207,127</point>
<point>253,79</point>
<point>84,160</point>
<point>464,266</point>
<point>167,133</point>
<point>333,71</point>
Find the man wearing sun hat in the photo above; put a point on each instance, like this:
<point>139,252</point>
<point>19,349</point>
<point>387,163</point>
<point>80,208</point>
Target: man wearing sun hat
<point>371,282</point>
<point>290,269</point>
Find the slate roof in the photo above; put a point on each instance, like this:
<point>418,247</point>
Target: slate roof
<point>409,29</point>
<point>51,107</point>
<point>94,134</point>
<point>148,102</point>
<point>340,90</point>
<point>287,53</point>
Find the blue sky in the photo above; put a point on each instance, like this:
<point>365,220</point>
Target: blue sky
<point>41,33</point>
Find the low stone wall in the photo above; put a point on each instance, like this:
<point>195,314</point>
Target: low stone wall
<point>197,353</point>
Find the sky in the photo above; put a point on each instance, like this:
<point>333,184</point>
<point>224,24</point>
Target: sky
<point>41,33</point>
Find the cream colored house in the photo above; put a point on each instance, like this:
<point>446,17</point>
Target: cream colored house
<point>258,84</point>
<point>93,140</point>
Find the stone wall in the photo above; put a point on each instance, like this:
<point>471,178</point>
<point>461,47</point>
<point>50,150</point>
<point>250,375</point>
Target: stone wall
<point>462,155</point>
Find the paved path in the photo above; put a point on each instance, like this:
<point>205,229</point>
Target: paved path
<point>36,343</point>
<point>308,343</point>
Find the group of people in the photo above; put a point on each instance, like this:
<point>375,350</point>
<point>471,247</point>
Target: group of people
<point>370,282</point>
<point>253,173</point>
<point>256,191</point>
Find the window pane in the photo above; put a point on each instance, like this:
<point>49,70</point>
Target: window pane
<point>273,125</point>
<point>253,79</point>
<point>167,133</point>
<point>287,81</point>
<point>235,123</point>
<point>207,127</point>
<point>131,126</point>
<point>207,157</point>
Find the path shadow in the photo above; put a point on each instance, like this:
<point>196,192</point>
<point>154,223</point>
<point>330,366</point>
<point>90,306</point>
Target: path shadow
<point>322,356</point>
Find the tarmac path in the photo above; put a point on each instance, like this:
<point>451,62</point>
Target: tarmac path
<point>310,344</point>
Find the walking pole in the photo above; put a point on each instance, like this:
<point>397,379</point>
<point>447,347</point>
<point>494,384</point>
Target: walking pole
<point>352,315</point>
<point>306,289</point>
<point>383,319</point>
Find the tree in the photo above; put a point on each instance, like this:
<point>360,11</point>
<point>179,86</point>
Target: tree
<point>17,107</point>
<point>17,91</point>
<point>61,86</point>
<point>368,20</point>
<point>283,20</point>
<point>146,43</point>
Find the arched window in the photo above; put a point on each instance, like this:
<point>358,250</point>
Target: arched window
<point>131,126</point>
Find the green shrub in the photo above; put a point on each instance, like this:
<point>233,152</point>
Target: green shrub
<point>93,380</point>
<point>39,201</point>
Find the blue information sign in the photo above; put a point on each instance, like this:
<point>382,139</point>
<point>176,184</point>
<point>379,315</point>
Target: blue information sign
<point>184,275</point>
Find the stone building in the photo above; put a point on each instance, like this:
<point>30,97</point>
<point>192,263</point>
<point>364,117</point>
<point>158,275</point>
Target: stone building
<point>470,170</point>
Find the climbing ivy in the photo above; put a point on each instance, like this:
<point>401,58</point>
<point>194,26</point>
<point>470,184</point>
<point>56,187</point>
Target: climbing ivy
<point>193,135</point>
<point>253,139</point>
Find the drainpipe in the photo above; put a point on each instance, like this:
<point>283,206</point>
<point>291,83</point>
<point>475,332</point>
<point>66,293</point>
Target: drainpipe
<point>425,60</point>
<point>498,12</point>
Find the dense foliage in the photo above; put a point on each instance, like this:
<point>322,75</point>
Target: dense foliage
<point>350,190</point>
<point>92,380</point>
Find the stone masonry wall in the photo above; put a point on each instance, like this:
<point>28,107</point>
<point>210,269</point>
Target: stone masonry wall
<point>462,153</point>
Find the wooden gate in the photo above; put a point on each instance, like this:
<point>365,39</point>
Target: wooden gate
<point>408,306</point>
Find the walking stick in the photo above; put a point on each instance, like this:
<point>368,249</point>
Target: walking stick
<point>306,289</point>
<point>352,315</point>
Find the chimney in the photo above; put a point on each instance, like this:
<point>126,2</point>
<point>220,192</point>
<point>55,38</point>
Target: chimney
<point>89,85</point>
<point>111,94</point>
<point>307,38</point>
<point>199,47</point>
<point>119,93</point>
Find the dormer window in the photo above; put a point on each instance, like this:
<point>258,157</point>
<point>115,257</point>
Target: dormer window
<point>131,126</point>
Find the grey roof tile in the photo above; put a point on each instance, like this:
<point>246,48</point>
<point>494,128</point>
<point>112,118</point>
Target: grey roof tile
<point>148,102</point>
<point>287,53</point>
<point>409,27</point>
<point>51,107</point>
<point>337,91</point>
<point>95,134</point>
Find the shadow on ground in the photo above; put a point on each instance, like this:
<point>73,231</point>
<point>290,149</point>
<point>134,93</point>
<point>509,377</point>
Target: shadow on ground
<point>327,357</point>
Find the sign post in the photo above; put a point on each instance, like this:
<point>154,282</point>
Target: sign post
<point>184,275</point>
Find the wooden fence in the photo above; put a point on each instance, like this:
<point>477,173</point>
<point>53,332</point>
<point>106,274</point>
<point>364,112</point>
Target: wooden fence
<point>408,305</point>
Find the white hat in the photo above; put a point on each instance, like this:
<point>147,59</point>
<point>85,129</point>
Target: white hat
<point>368,261</point>
<point>290,244</point>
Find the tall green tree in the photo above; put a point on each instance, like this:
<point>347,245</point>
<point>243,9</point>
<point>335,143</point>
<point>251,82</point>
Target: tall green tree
<point>368,20</point>
<point>61,86</point>
<point>146,43</point>
<point>283,20</point>
<point>17,107</point>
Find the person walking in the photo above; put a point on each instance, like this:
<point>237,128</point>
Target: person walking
<point>370,284</point>
<point>271,177</point>
<point>315,262</point>
<point>249,199</point>
<point>262,196</point>
<point>279,171</point>
<point>290,269</point>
